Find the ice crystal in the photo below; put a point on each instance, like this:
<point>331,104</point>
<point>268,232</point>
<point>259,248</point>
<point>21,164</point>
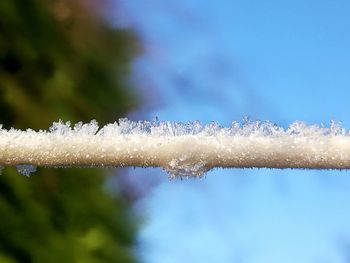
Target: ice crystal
<point>182,149</point>
<point>25,169</point>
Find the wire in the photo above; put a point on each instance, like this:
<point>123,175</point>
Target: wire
<point>181,149</point>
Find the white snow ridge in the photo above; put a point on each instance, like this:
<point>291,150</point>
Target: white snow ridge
<point>182,149</point>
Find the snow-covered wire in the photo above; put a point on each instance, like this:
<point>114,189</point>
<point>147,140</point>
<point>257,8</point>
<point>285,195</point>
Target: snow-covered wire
<point>186,149</point>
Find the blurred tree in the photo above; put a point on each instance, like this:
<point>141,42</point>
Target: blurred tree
<point>59,59</point>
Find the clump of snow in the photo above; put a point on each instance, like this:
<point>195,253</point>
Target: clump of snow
<point>182,149</point>
<point>184,166</point>
<point>25,169</point>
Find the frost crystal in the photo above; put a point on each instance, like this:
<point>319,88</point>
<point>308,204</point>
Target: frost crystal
<point>25,169</point>
<point>184,166</point>
<point>182,149</point>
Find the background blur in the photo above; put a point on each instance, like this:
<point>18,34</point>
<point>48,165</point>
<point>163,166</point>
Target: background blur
<point>177,60</point>
<point>221,60</point>
<point>62,60</point>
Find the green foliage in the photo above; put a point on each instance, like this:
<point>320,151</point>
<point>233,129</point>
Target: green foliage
<point>60,60</point>
<point>74,67</point>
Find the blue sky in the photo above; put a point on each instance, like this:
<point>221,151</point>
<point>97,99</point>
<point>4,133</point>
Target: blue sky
<point>271,60</point>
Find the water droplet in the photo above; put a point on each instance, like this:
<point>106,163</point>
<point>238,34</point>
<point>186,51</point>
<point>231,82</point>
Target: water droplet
<point>25,169</point>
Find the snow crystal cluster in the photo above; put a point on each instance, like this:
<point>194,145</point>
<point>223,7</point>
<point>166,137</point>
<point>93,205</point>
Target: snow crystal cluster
<point>25,169</point>
<point>182,149</point>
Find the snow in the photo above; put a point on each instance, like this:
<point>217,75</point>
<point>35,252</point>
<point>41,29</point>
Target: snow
<point>25,169</point>
<point>182,149</point>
